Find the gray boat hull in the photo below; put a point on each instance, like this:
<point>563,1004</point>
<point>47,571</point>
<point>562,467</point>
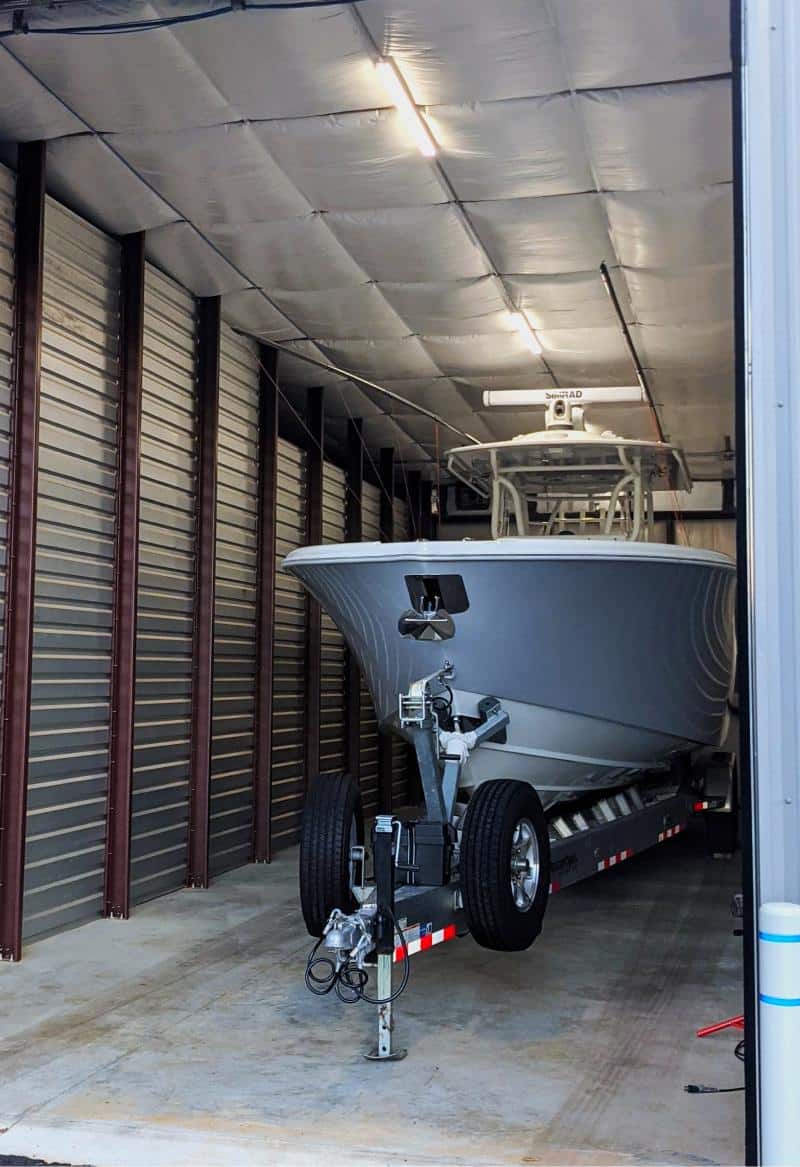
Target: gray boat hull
<point>609,657</point>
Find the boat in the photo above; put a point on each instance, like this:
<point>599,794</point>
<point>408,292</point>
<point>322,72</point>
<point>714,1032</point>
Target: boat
<point>610,651</point>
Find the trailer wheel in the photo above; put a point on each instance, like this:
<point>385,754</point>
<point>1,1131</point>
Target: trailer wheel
<point>333,823</point>
<point>505,865</point>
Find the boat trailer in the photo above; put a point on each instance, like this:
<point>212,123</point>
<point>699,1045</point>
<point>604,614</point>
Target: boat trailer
<point>414,896</point>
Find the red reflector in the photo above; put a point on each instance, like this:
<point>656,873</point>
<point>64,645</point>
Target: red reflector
<point>699,806</point>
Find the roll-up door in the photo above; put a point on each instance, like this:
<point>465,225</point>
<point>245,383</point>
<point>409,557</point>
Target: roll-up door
<point>233,732</point>
<point>400,750</point>
<point>288,715</point>
<point>165,601</point>
<point>332,688</point>
<point>7,189</point>
<point>68,758</point>
<point>370,533</point>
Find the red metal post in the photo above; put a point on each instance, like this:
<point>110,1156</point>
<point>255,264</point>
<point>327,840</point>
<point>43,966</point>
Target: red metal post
<point>315,420</point>
<point>386,473</point>
<point>28,266</point>
<point>352,674</point>
<point>203,645</point>
<point>126,557</point>
<point>267,522</point>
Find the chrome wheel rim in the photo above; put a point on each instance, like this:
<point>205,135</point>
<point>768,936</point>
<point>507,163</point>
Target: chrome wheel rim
<point>524,865</point>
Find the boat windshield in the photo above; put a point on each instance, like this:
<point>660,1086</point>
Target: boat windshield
<point>571,483</point>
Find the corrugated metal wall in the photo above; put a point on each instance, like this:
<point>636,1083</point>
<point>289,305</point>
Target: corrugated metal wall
<point>7,190</point>
<point>370,533</point>
<point>288,718</point>
<point>332,686</point>
<point>400,751</point>
<point>165,603</point>
<point>68,768</point>
<point>233,731</point>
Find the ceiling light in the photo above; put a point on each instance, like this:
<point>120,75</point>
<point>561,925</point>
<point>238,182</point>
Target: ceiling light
<point>397,89</point>
<point>520,322</point>
<point>605,394</point>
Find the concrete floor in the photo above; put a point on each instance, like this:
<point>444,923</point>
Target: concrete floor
<point>186,1036</point>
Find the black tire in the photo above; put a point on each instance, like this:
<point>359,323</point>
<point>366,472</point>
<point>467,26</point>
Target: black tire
<point>492,815</point>
<point>332,807</point>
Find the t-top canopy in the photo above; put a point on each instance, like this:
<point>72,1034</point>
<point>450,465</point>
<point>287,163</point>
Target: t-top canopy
<point>565,458</point>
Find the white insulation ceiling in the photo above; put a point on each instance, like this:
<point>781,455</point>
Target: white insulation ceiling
<point>259,151</point>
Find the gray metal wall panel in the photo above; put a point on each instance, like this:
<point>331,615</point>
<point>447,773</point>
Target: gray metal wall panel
<point>165,601</point>
<point>233,729</point>
<point>370,533</point>
<point>400,751</point>
<point>68,756</point>
<point>332,687</point>
<point>7,190</point>
<point>288,717</point>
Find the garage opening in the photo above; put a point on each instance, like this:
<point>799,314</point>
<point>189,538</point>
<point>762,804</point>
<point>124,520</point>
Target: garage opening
<point>379,463</point>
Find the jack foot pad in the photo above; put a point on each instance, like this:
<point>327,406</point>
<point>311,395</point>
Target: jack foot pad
<point>375,1055</point>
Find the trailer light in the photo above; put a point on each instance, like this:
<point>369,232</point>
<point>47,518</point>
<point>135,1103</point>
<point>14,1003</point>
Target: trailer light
<point>397,89</point>
<point>520,322</point>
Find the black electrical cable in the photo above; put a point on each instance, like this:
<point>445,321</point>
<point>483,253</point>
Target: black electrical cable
<point>349,981</point>
<point>167,21</point>
<point>692,1088</point>
<point>320,986</point>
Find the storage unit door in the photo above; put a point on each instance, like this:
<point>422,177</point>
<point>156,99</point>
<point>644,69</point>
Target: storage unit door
<point>160,826</point>
<point>233,729</point>
<point>370,533</point>
<point>400,750</point>
<point>7,188</point>
<point>332,688</point>
<point>68,757</point>
<point>291,614</point>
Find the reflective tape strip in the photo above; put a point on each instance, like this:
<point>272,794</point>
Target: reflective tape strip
<point>776,938</point>
<point>554,887</point>
<point>425,942</point>
<point>785,1002</point>
<point>613,860</point>
<point>670,832</point>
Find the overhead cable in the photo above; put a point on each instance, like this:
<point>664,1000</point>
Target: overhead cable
<point>22,28</point>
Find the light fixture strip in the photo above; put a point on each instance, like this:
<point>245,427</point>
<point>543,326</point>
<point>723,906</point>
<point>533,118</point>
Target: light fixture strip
<point>398,91</point>
<point>520,322</point>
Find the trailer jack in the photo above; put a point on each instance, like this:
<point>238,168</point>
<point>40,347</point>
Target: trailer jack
<point>366,939</point>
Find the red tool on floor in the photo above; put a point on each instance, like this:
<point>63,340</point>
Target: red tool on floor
<point>728,1023</point>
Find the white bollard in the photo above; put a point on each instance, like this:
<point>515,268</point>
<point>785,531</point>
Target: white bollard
<point>779,1032</point>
